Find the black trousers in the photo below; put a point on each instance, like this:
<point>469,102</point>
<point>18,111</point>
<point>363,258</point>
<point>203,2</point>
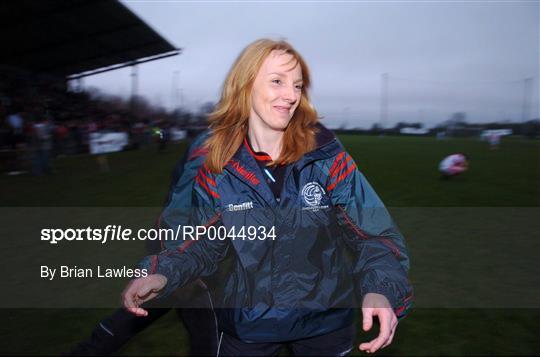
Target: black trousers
<point>115,330</point>
<point>336,343</point>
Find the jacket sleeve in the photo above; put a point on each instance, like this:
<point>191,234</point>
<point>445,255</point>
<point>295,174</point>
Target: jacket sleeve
<point>178,206</point>
<point>196,255</point>
<point>179,197</point>
<point>381,262</point>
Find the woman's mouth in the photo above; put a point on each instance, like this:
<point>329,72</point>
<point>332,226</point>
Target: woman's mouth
<point>282,109</point>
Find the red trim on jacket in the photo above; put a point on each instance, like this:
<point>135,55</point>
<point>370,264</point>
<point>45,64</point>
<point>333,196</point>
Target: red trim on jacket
<point>153,266</point>
<point>207,189</point>
<point>157,224</point>
<point>336,161</point>
<point>341,166</point>
<point>182,248</point>
<point>206,178</point>
<point>353,226</point>
<point>399,310</point>
<point>341,177</point>
<point>200,151</point>
<point>185,246</point>
<point>392,246</point>
<point>403,309</point>
<point>258,157</point>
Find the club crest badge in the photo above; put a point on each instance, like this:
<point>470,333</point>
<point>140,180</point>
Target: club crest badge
<point>312,195</point>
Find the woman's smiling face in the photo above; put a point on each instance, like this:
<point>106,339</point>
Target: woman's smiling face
<point>276,91</point>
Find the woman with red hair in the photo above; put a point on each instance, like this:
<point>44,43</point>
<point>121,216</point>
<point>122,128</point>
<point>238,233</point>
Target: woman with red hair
<point>271,166</point>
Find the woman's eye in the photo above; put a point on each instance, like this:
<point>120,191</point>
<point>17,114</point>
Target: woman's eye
<point>299,87</point>
<point>276,81</point>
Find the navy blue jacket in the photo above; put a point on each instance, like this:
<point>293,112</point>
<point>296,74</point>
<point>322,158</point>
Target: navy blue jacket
<point>302,283</point>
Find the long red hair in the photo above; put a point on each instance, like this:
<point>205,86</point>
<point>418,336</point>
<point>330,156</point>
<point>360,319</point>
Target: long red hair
<point>229,121</point>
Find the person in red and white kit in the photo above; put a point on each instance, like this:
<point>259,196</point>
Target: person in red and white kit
<point>453,165</point>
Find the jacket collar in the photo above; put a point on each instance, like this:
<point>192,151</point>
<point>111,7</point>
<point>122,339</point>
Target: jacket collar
<point>244,165</point>
<point>327,147</point>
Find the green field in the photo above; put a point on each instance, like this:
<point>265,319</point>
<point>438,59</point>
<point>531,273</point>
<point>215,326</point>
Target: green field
<point>473,243</point>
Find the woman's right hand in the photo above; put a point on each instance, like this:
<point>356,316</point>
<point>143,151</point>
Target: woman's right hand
<point>141,290</point>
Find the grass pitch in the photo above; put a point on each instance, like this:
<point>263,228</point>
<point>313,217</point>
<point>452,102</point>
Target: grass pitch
<point>473,242</point>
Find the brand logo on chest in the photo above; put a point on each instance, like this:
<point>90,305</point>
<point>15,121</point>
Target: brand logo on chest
<point>246,174</point>
<point>240,207</point>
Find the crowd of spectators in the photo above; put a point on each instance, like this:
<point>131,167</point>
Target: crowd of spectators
<point>41,120</point>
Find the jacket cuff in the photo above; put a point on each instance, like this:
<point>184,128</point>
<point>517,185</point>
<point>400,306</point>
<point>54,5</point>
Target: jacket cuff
<point>400,303</point>
<point>374,282</point>
<point>381,289</point>
<point>151,264</point>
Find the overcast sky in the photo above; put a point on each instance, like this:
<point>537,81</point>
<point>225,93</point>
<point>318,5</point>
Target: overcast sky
<point>441,57</point>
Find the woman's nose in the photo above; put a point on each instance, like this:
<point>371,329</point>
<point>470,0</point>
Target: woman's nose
<point>289,94</point>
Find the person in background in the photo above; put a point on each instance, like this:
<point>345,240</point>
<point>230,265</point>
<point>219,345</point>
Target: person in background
<point>16,126</point>
<point>494,141</point>
<point>42,144</point>
<point>453,165</point>
<point>61,133</point>
<point>16,140</point>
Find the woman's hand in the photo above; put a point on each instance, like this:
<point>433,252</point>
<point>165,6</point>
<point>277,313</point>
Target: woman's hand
<point>378,305</point>
<point>141,290</point>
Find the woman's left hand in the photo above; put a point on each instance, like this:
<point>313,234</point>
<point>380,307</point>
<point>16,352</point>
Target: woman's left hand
<point>378,305</point>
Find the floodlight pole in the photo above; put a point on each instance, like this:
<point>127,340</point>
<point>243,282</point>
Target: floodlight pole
<point>177,96</point>
<point>527,87</point>
<point>384,100</point>
<point>134,83</point>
